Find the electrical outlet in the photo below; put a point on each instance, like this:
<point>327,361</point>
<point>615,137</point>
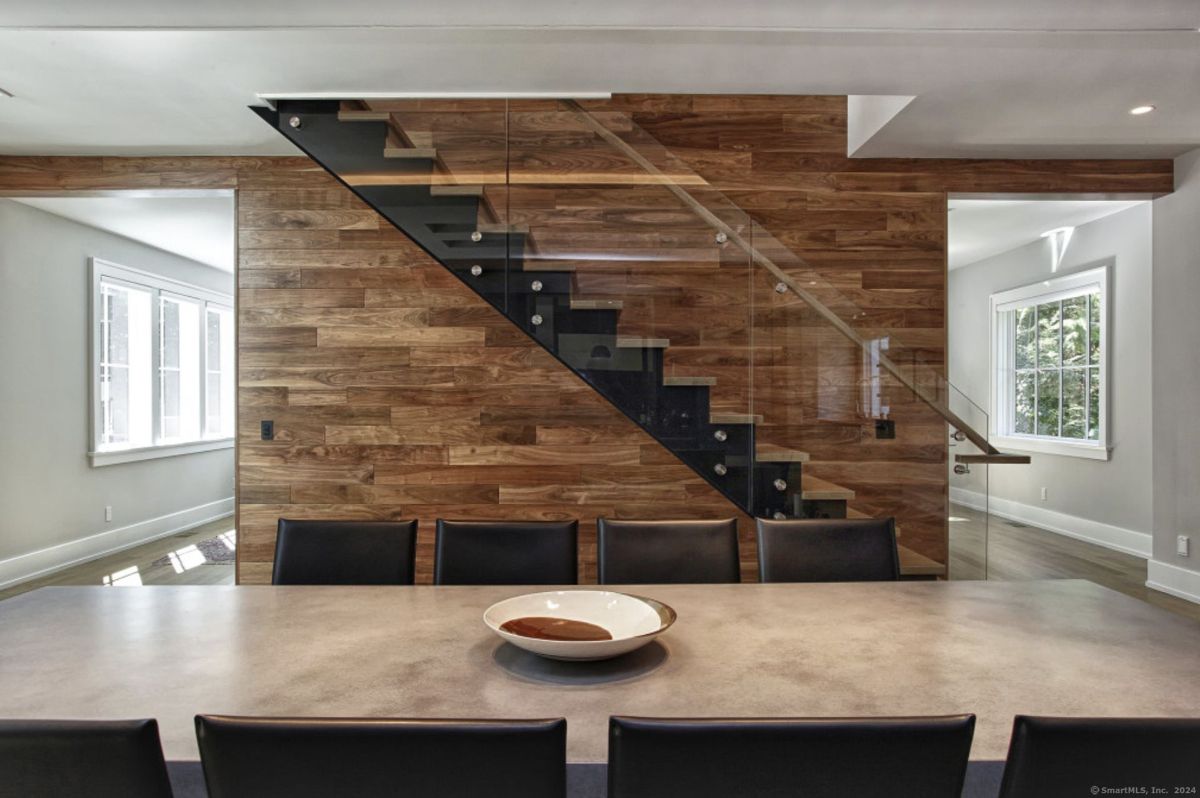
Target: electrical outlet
<point>1045,494</point>
<point>108,512</point>
<point>1183,545</point>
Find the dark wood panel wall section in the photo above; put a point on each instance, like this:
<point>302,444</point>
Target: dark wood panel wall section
<point>396,392</point>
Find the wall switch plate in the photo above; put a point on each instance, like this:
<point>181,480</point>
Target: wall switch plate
<point>1183,545</point>
<point>1045,493</point>
<point>267,428</point>
<point>108,512</point>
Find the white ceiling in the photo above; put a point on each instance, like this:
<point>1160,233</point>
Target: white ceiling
<point>982,228</point>
<point>200,228</point>
<point>1018,78</point>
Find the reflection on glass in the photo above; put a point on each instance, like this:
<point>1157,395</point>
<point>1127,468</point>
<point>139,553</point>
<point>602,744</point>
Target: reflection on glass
<point>1026,344</point>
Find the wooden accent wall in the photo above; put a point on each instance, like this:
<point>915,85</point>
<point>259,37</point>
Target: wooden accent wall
<point>396,392</point>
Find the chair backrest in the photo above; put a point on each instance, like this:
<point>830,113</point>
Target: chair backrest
<point>323,757</point>
<point>506,553</point>
<point>314,552</point>
<point>667,552</point>
<point>828,550</point>
<point>78,758</point>
<point>810,757</point>
<point>1055,757</point>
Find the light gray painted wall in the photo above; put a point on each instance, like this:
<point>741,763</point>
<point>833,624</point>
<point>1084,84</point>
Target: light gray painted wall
<point>49,493</point>
<point>1177,365</point>
<point>1118,491</point>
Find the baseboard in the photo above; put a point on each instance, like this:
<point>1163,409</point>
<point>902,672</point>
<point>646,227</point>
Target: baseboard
<point>45,561</point>
<point>1129,541</point>
<point>1173,580</point>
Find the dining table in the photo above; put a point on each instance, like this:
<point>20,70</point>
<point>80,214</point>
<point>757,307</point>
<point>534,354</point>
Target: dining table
<point>992,648</point>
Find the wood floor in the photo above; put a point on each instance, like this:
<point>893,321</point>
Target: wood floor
<point>200,556</point>
<point>1017,552</point>
<point>204,556</point>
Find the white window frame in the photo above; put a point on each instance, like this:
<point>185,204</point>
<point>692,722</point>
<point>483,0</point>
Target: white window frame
<point>157,285</point>
<point>1002,383</point>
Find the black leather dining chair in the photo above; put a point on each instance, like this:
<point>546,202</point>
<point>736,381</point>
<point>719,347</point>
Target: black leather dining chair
<point>827,550</point>
<point>315,552</point>
<point>364,758</point>
<point>810,757</point>
<point>82,759</point>
<point>667,552</point>
<point>506,553</point>
<point>1055,757</point>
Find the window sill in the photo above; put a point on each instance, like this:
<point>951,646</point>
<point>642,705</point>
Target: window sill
<point>1087,451</point>
<point>118,456</point>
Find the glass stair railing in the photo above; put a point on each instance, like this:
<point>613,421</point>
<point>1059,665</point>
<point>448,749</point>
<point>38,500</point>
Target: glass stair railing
<point>661,293</point>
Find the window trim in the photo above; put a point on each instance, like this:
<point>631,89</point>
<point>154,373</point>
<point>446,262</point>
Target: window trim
<point>102,270</point>
<point>1056,288</point>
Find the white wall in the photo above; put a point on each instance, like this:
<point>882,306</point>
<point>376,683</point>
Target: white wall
<point>1176,395</point>
<point>51,499</point>
<point>1108,502</point>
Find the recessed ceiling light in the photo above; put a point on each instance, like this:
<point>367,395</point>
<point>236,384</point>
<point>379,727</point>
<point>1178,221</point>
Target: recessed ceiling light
<point>1141,109</point>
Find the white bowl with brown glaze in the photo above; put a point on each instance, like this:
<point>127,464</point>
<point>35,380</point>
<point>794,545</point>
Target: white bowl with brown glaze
<point>579,624</point>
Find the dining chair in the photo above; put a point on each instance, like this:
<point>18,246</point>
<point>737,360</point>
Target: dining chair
<point>827,550</point>
<point>362,758</point>
<point>317,552</point>
<point>1055,757</point>
<point>78,758</point>
<point>506,553</point>
<point>667,552</point>
<point>923,757</point>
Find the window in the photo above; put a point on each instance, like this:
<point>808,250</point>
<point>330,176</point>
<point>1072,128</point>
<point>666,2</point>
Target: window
<point>1050,343</point>
<point>162,354</point>
<point>218,372</point>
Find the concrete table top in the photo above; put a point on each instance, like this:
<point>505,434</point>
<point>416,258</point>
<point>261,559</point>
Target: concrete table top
<point>992,648</point>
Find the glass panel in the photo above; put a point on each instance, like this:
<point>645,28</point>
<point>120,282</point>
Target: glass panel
<point>1048,332</point>
<point>761,373</point>
<point>179,370</point>
<point>1094,324</point>
<point>125,416</point>
<point>1074,403</point>
<point>1026,338</point>
<point>1048,396</point>
<point>1093,431</point>
<point>1075,331</point>
<point>1026,400</point>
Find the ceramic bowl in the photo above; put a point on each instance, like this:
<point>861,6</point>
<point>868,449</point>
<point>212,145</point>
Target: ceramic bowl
<point>632,621</point>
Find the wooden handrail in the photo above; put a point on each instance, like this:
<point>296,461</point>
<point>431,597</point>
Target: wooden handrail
<point>763,260</point>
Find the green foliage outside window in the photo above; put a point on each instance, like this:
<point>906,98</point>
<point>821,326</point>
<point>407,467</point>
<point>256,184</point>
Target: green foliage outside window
<point>1056,368</point>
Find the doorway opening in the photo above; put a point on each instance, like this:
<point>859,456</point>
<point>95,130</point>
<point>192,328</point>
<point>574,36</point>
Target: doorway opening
<point>118,313</point>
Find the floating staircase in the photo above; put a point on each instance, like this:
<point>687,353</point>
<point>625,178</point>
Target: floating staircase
<point>403,176</point>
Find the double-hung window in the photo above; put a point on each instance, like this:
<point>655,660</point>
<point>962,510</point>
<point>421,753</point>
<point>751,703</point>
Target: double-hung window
<point>1050,344</point>
<point>162,366</point>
